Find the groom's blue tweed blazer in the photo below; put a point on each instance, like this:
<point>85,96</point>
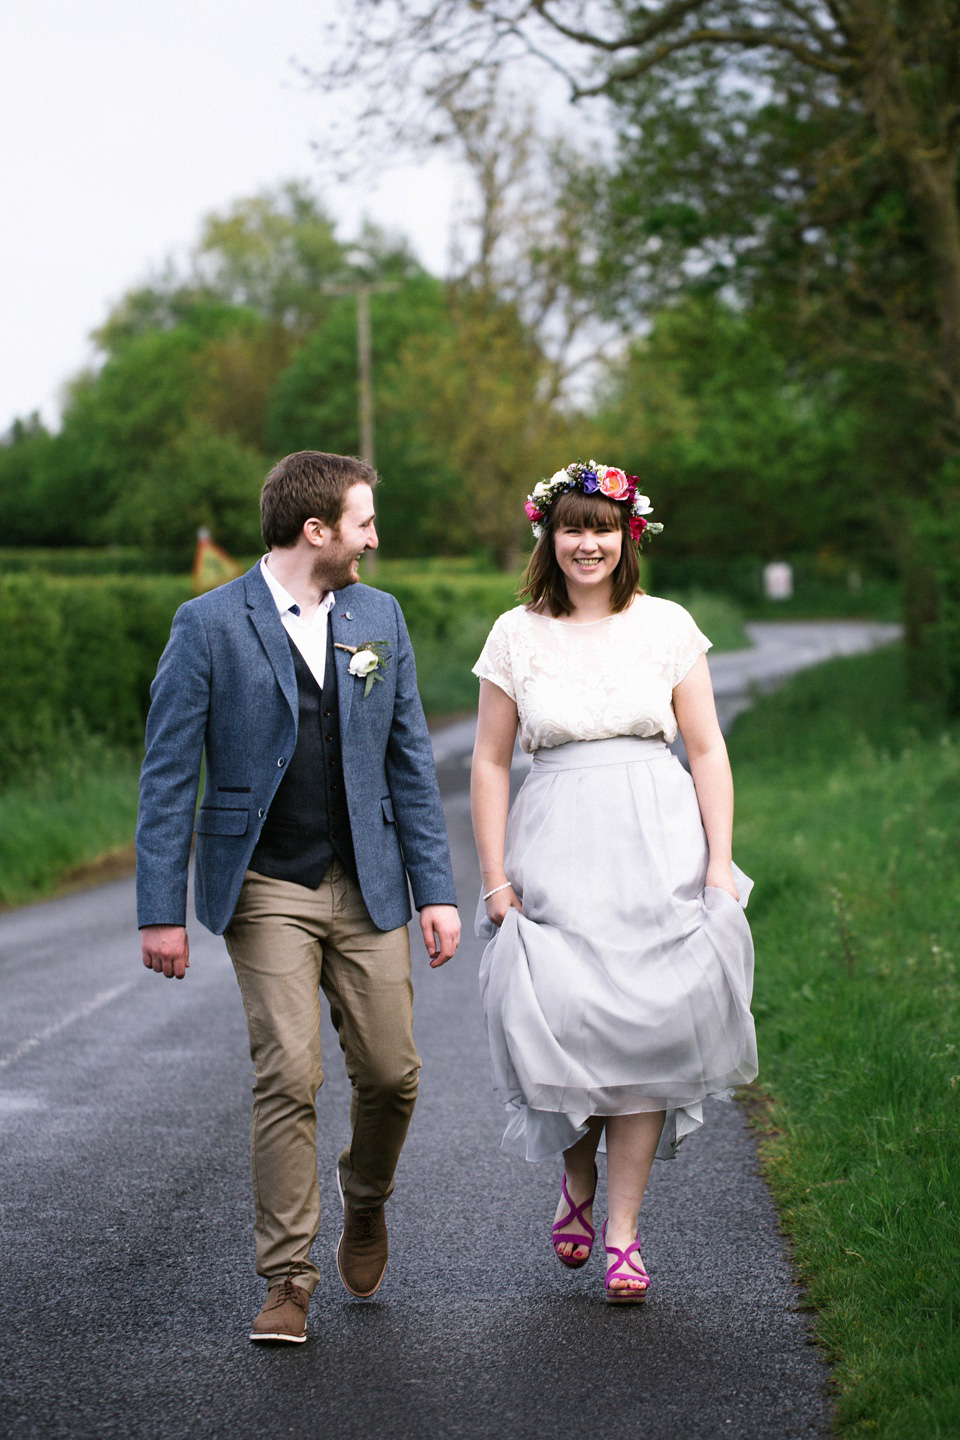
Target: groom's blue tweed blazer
<point>226,689</point>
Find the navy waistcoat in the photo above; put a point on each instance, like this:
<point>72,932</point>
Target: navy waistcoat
<point>307,823</point>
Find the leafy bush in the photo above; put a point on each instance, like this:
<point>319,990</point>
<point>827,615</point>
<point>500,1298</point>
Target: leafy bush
<point>77,657</point>
<point>112,560</point>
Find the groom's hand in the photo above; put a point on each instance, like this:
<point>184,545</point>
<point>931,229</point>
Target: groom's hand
<point>165,949</point>
<point>440,925</point>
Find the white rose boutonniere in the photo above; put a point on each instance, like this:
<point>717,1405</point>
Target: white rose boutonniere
<point>366,660</point>
<point>363,662</point>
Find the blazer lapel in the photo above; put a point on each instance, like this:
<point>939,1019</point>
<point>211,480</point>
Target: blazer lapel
<point>346,628</point>
<point>268,625</point>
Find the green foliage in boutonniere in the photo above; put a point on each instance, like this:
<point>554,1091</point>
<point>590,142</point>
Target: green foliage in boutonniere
<point>367,660</point>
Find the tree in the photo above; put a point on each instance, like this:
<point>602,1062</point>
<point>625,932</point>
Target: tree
<point>897,67</point>
<point>197,479</point>
<point>313,405</point>
<point>148,393</point>
<point>851,110</point>
<point>28,470</point>
<point>480,416</point>
<point>745,449</point>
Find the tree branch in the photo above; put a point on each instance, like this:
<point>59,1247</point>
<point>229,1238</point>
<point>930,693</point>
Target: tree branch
<point>746,39</point>
<point>668,19</point>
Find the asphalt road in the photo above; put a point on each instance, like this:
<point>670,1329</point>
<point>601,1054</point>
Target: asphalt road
<point>125,1226</point>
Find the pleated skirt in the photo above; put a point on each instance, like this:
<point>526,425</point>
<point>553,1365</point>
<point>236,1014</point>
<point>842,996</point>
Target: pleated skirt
<point>625,985</point>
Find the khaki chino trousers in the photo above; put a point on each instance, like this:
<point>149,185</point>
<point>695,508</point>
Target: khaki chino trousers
<point>288,944</point>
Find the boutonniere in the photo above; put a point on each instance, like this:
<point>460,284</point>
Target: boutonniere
<point>366,660</point>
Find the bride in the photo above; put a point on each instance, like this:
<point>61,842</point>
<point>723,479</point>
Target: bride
<point>616,983</point>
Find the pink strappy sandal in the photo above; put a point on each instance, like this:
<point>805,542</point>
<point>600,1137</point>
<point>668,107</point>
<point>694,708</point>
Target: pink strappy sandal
<point>623,1268</point>
<point>559,1235</point>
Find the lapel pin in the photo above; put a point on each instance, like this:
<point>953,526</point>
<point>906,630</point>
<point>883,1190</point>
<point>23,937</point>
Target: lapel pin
<point>345,615</point>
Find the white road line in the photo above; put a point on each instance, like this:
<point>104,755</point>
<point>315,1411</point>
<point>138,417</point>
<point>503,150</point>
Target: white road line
<point>48,1032</point>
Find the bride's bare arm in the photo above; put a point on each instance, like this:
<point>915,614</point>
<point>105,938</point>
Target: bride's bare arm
<point>697,718</point>
<point>497,722</point>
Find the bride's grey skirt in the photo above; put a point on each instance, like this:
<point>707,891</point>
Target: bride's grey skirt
<point>624,986</point>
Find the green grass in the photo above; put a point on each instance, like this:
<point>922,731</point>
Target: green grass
<point>848,819</point>
<point>874,600</point>
<point>719,617</point>
<point>75,810</point>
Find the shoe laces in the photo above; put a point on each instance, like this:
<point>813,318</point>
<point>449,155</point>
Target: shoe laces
<point>366,1223</point>
<point>285,1291</point>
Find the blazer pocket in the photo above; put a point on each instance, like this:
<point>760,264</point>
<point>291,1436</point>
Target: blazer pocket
<point>213,820</point>
<point>386,805</point>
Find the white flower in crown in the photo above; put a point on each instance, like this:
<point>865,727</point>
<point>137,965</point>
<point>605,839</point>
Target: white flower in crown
<point>641,505</point>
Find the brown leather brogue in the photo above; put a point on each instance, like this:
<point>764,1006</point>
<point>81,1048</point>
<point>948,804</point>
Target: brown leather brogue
<point>283,1319</point>
<point>362,1252</point>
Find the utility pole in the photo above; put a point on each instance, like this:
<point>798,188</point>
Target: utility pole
<point>364,375</point>
<point>362,292</point>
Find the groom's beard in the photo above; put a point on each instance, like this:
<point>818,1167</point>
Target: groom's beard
<point>335,571</point>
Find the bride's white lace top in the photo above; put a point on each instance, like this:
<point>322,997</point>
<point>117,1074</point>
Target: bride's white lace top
<point>590,682</point>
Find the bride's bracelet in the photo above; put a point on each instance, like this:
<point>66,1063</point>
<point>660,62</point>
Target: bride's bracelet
<point>505,886</point>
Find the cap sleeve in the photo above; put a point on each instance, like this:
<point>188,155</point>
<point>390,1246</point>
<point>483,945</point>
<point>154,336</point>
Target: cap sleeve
<point>494,662</point>
<point>689,643</point>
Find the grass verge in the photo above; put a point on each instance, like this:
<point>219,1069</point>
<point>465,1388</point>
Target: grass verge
<point>77,811</point>
<point>848,817</point>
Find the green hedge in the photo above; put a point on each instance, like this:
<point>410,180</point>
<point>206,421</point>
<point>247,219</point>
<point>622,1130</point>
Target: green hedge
<point>111,560</point>
<point>825,587</point>
<point>78,655</point>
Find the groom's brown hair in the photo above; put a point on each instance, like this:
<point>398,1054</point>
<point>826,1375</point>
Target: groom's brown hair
<point>307,485</point>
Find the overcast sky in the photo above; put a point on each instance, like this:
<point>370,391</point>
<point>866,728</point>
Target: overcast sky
<point>122,123</point>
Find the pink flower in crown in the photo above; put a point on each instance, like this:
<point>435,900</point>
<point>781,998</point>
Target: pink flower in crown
<point>532,512</point>
<point>637,526</point>
<point>614,484</point>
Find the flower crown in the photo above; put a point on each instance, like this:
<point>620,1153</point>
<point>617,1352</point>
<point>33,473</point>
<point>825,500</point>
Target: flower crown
<point>592,479</point>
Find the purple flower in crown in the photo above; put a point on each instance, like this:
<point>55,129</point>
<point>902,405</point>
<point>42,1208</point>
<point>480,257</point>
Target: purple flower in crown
<point>589,481</point>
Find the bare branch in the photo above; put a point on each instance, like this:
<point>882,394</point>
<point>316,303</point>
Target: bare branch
<point>668,19</point>
<point>737,39</point>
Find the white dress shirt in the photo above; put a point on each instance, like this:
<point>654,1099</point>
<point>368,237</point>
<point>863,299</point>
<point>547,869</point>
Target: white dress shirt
<point>309,636</point>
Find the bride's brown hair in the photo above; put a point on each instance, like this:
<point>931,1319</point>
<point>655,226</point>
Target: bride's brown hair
<point>544,586</point>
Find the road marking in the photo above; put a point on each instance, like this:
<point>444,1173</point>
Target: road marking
<point>48,1031</point>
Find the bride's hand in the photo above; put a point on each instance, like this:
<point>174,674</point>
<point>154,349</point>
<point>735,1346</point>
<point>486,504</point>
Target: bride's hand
<point>720,877</point>
<point>499,904</point>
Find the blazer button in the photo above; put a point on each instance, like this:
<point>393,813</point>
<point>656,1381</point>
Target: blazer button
<point>260,813</point>
<point>281,762</point>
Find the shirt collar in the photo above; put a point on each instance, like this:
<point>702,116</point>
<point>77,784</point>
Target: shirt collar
<point>284,601</point>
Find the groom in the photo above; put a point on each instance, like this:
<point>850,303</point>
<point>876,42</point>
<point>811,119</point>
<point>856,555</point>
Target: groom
<point>297,687</point>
